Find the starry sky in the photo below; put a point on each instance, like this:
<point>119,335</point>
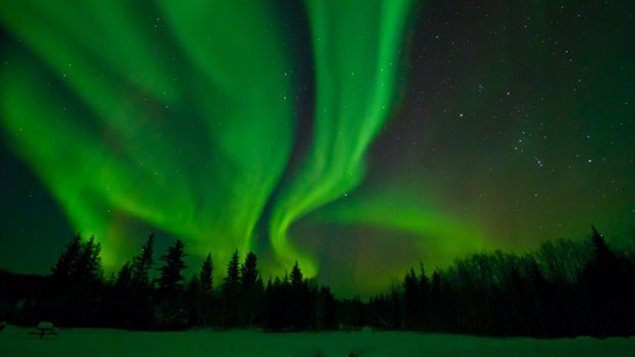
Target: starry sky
<point>356,137</point>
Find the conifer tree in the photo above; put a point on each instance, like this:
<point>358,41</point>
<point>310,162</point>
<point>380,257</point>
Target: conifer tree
<point>205,276</point>
<point>424,303</point>
<point>231,291</point>
<point>206,296</point>
<point>297,278</point>
<point>299,304</point>
<point>142,264</point>
<point>124,277</point>
<point>89,269</point>
<point>249,272</point>
<point>411,299</point>
<point>601,253</point>
<point>232,280</point>
<point>66,264</point>
<point>77,275</point>
<point>251,290</point>
<point>194,301</point>
<point>171,278</point>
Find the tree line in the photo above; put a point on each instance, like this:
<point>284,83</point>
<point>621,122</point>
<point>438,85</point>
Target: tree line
<point>149,295</point>
<point>565,288</point>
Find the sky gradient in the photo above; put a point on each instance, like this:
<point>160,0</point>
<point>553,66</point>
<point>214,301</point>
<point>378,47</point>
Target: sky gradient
<point>357,137</point>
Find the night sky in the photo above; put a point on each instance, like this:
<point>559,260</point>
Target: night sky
<point>356,137</point>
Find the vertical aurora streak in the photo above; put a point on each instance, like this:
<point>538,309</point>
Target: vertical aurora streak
<point>356,49</point>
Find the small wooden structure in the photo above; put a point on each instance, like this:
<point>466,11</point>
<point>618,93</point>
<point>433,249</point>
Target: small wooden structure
<point>45,327</point>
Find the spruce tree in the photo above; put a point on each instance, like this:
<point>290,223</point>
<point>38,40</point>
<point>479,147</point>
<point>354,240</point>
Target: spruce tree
<point>252,290</point>
<point>231,291</point>
<point>299,304</point>
<point>297,278</point>
<point>602,255</point>
<point>194,302</point>
<point>171,278</point>
<point>205,276</point>
<point>601,279</point>
<point>249,271</point>
<point>124,277</point>
<point>411,299</point>
<point>206,296</point>
<point>77,276</point>
<point>424,291</point>
<point>232,280</point>
<point>66,265</point>
<point>123,310</point>
<point>141,292</point>
<point>89,269</point>
<point>142,264</point>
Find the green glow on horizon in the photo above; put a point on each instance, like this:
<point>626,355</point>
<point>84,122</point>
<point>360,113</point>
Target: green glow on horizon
<point>401,206</point>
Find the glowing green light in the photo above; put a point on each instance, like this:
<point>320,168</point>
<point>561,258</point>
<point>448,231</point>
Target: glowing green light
<point>356,46</point>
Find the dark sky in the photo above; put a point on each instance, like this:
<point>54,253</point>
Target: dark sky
<point>355,137</point>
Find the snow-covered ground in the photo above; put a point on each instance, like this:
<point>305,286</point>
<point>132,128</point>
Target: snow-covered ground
<point>16,341</point>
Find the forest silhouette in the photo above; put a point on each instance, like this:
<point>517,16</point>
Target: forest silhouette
<point>564,289</point>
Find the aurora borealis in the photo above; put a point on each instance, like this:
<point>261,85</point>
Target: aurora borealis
<point>357,137</point>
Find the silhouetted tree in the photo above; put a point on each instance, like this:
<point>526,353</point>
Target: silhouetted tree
<point>299,299</point>
<point>231,291</point>
<point>412,301</point>
<point>169,312</point>
<point>437,315</point>
<point>124,276</point>
<point>171,278</point>
<point>277,314</point>
<point>194,301</point>
<point>77,279</point>
<point>249,271</point>
<point>206,275</point>
<point>66,266</point>
<point>424,291</point>
<point>297,278</point>
<point>137,307</point>
<point>142,264</point>
<point>534,299</point>
<point>205,300</point>
<point>602,255</point>
<point>122,309</point>
<point>327,311</point>
<point>251,290</point>
<point>601,282</point>
<point>89,270</point>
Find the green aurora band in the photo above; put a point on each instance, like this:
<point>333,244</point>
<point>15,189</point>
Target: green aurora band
<point>194,143</point>
<point>356,48</point>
